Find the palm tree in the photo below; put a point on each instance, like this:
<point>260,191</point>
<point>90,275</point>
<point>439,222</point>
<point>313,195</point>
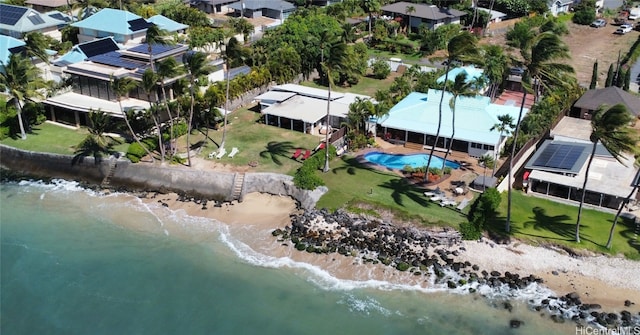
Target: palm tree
<point>168,68</point>
<point>22,81</point>
<point>409,10</point>
<point>486,161</point>
<point>36,46</point>
<point>636,184</point>
<point>460,88</point>
<point>232,51</point>
<point>337,54</point>
<point>495,62</point>
<point>611,128</point>
<point>155,36</point>
<point>96,143</point>
<point>359,112</point>
<point>196,65</point>
<point>484,30</point>
<point>121,87</point>
<point>460,48</point>
<point>539,52</point>
<point>504,127</point>
<point>149,84</point>
<point>370,7</point>
<point>84,6</point>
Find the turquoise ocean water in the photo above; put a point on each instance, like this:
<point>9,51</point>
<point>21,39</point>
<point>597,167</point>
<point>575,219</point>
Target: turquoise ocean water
<point>76,262</point>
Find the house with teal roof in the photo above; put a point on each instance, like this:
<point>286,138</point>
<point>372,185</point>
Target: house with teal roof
<point>15,21</point>
<point>168,24</point>
<point>8,46</point>
<point>415,119</point>
<point>473,74</point>
<point>125,27</point>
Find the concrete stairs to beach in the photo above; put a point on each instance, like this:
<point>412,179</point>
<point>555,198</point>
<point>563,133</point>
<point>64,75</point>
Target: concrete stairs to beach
<point>238,183</point>
<point>111,170</point>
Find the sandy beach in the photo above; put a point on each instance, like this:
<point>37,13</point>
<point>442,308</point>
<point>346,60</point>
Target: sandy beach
<point>600,280</point>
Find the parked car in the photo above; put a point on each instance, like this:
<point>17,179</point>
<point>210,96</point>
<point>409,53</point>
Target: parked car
<point>599,23</point>
<point>516,71</point>
<point>625,28</point>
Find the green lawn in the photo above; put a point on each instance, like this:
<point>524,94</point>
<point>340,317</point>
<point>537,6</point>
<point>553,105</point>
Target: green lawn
<point>544,221</point>
<point>351,184</point>
<point>48,137</point>
<point>406,58</point>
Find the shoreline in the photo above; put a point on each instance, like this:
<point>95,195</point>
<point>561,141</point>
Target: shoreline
<point>601,280</point>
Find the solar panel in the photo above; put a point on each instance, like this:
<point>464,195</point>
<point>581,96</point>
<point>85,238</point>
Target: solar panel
<point>559,156</point>
<point>156,49</point>
<point>60,17</point>
<point>35,19</point>
<point>138,24</point>
<point>115,59</point>
<point>98,47</point>
<point>11,14</point>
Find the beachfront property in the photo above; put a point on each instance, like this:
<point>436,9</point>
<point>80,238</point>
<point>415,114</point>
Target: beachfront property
<point>415,120</point>
<point>8,46</point>
<point>430,16</point>
<point>304,109</point>
<point>608,96</point>
<point>557,168</point>
<point>125,27</point>
<point>16,21</point>
<point>91,67</point>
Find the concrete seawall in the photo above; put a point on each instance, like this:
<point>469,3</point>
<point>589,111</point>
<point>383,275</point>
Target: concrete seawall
<point>123,174</point>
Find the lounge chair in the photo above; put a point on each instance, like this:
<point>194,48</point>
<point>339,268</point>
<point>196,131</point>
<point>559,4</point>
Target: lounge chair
<point>306,154</point>
<point>221,153</point>
<point>297,153</point>
<point>233,152</point>
<point>212,155</point>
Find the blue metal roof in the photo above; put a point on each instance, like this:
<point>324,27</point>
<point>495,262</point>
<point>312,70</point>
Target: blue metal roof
<point>418,112</point>
<point>109,20</point>
<point>167,24</point>
<point>7,43</point>
<point>472,72</point>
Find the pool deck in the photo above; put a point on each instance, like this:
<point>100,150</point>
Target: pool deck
<point>469,170</point>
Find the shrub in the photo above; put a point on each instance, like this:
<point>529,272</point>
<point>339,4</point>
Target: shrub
<point>381,69</point>
<point>135,152</point>
<point>470,231</point>
<point>402,266</point>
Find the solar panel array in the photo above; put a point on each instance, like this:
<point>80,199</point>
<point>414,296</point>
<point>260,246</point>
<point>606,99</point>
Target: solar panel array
<point>156,49</point>
<point>60,17</point>
<point>35,19</point>
<point>98,47</point>
<point>11,14</point>
<point>138,24</point>
<point>559,156</point>
<point>115,59</point>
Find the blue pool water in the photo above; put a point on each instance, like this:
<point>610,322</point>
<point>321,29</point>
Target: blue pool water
<point>400,161</point>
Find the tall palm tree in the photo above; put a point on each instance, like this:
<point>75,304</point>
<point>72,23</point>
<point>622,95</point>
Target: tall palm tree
<point>484,30</point>
<point>504,126</point>
<point>611,128</point>
<point>460,48</point>
<point>232,51</point>
<point>409,10</point>
<point>22,81</point>
<point>495,63</point>
<point>96,143</point>
<point>168,68</point>
<point>486,161</point>
<point>334,60</point>
<point>36,46</point>
<point>370,7</point>
<point>636,184</point>
<point>539,53</point>
<point>197,66</point>
<point>155,36</point>
<point>149,84</point>
<point>459,88</point>
<point>121,87</point>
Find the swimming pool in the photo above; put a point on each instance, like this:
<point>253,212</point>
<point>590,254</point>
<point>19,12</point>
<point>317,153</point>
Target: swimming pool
<point>393,161</point>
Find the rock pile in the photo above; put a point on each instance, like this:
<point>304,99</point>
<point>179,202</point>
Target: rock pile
<point>429,253</point>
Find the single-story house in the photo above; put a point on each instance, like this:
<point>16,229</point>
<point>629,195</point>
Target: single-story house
<point>275,9</point>
<point>44,6</point>
<point>125,27</point>
<point>472,72</point>
<point>210,6</point>
<point>304,108</point>
<point>415,119</point>
<point>557,168</point>
<point>428,15</point>
<point>494,15</point>
<point>15,21</point>
<point>609,96</point>
<point>559,6</point>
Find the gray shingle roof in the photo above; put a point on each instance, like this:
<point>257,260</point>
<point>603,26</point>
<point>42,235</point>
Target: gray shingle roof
<point>429,12</point>
<point>609,96</point>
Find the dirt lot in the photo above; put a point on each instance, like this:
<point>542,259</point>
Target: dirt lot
<point>587,45</point>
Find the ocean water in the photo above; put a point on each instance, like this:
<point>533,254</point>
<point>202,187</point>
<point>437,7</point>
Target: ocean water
<point>77,262</point>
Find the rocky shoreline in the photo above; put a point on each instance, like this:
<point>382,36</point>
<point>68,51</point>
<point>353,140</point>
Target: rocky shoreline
<point>435,256</point>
